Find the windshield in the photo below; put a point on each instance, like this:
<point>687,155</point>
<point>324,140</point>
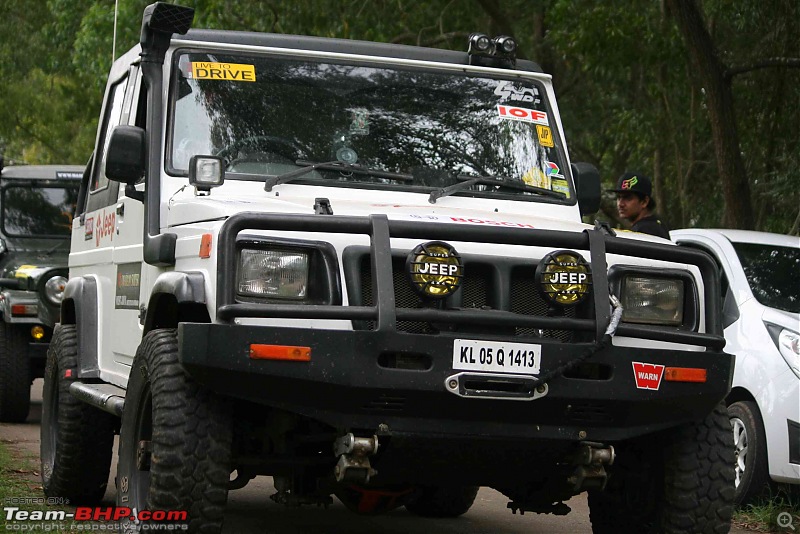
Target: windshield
<point>268,116</point>
<point>37,212</point>
<point>772,274</point>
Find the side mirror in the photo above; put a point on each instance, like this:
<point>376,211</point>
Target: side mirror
<point>587,187</point>
<point>125,157</point>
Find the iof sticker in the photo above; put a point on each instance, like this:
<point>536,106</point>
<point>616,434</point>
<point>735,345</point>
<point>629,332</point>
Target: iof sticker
<point>648,375</point>
<point>545,136</point>
<point>233,72</point>
<point>522,114</point>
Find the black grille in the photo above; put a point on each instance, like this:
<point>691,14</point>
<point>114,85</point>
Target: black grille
<point>480,284</point>
<point>527,300</point>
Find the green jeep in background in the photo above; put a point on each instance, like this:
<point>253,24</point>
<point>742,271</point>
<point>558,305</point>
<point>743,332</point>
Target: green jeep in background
<point>36,207</point>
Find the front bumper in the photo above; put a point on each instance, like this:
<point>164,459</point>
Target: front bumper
<point>348,385</point>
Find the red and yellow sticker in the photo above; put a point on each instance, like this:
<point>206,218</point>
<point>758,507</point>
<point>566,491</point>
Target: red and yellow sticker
<point>232,72</point>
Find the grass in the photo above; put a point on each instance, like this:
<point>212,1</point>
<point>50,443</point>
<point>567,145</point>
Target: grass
<point>19,476</point>
<point>762,516</point>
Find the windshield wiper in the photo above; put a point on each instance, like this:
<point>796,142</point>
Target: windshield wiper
<point>468,181</point>
<point>308,166</point>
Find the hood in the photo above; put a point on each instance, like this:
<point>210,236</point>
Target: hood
<point>782,318</point>
<point>397,206</point>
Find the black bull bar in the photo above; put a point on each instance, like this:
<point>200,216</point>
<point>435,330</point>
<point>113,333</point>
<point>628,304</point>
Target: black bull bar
<point>385,314</point>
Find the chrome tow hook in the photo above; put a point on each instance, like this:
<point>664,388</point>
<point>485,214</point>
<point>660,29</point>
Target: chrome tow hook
<point>353,453</point>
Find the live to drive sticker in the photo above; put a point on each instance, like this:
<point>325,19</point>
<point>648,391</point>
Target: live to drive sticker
<point>233,72</point>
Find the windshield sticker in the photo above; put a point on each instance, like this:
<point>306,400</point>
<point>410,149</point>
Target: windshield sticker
<point>553,170</point>
<point>536,178</point>
<point>508,91</point>
<point>360,123</point>
<point>128,282</point>
<point>522,114</point>
<point>559,185</point>
<point>66,175</point>
<point>234,72</point>
<point>545,136</point>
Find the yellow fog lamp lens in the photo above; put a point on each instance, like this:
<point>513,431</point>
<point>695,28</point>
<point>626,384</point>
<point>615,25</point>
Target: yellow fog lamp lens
<point>37,333</point>
<point>564,277</point>
<point>435,269</point>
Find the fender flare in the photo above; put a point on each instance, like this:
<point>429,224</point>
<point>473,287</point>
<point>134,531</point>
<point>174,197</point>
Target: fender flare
<point>176,296</point>
<point>79,307</point>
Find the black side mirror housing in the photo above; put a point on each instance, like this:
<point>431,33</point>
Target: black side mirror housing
<point>125,157</point>
<point>587,187</point>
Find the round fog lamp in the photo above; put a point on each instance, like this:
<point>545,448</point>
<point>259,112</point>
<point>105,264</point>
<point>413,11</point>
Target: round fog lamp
<point>37,332</point>
<point>435,269</point>
<point>564,277</point>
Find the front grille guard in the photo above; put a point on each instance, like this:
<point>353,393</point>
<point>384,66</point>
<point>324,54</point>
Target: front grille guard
<point>385,314</point>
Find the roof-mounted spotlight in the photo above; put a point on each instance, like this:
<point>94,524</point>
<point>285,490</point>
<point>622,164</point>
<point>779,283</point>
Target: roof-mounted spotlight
<point>479,43</point>
<point>498,52</point>
<point>505,45</point>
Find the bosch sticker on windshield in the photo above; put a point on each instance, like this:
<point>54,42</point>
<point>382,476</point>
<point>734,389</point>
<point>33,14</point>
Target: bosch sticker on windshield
<point>508,91</point>
<point>648,375</point>
<point>234,72</point>
<point>545,136</point>
<point>522,114</point>
<point>360,123</point>
<point>128,282</point>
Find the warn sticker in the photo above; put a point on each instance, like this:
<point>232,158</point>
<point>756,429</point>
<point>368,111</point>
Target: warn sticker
<point>647,375</point>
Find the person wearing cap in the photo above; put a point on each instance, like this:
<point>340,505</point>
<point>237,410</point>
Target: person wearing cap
<point>635,202</point>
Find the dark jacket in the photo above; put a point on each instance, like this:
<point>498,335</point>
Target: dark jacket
<point>653,225</point>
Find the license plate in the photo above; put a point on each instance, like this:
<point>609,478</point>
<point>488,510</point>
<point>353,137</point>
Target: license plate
<point>496,356</point>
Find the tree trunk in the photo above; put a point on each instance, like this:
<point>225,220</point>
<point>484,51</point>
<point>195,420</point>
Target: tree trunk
<point>719,98</point>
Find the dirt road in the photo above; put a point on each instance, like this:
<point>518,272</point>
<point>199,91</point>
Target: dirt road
<point>251,511</point>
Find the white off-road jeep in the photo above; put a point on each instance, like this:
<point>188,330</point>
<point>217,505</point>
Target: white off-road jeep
<point>360,268</point>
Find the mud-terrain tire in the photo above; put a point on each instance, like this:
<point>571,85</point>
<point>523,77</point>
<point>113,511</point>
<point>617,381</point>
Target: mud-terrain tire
<point>15,374</point>
<point>76,439</point>
<point>750,449</point>
<point>443,501</point>
<point>681,481</point>
<point>189,431</point>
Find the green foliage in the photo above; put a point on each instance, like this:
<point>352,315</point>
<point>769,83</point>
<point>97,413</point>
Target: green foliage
<point>628,97</point>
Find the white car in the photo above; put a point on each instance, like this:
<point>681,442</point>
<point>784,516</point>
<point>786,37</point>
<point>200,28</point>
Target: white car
<point>762,318</point>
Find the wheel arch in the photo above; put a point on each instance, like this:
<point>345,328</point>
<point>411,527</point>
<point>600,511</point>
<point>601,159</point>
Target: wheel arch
<point>176,297</point>
<point>79,307</point>
<point>738,394</point>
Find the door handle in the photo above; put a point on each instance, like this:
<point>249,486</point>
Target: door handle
<point>121,209</point>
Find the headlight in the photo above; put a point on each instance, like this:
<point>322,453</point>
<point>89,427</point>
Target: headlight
<point>788,343</point>
<point>652,300</point>
<point>273,274</point>
<point>54,289</point>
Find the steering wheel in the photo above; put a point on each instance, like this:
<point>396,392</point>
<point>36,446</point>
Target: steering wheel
<point>263,144</point>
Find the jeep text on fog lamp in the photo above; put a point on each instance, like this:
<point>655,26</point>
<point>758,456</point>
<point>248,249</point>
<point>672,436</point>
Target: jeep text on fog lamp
<point>435,269</point>
<point>564,277</point>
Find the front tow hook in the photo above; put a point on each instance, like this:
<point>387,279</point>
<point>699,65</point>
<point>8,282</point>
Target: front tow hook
<point>353,452</point>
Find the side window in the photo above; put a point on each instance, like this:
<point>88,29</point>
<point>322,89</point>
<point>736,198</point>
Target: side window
<point>99,195</point>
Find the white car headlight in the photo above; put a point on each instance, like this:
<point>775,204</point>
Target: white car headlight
<point>54,289</point>
<point>274,274</point>
<point>788,343</point>
<point>658,301</point>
